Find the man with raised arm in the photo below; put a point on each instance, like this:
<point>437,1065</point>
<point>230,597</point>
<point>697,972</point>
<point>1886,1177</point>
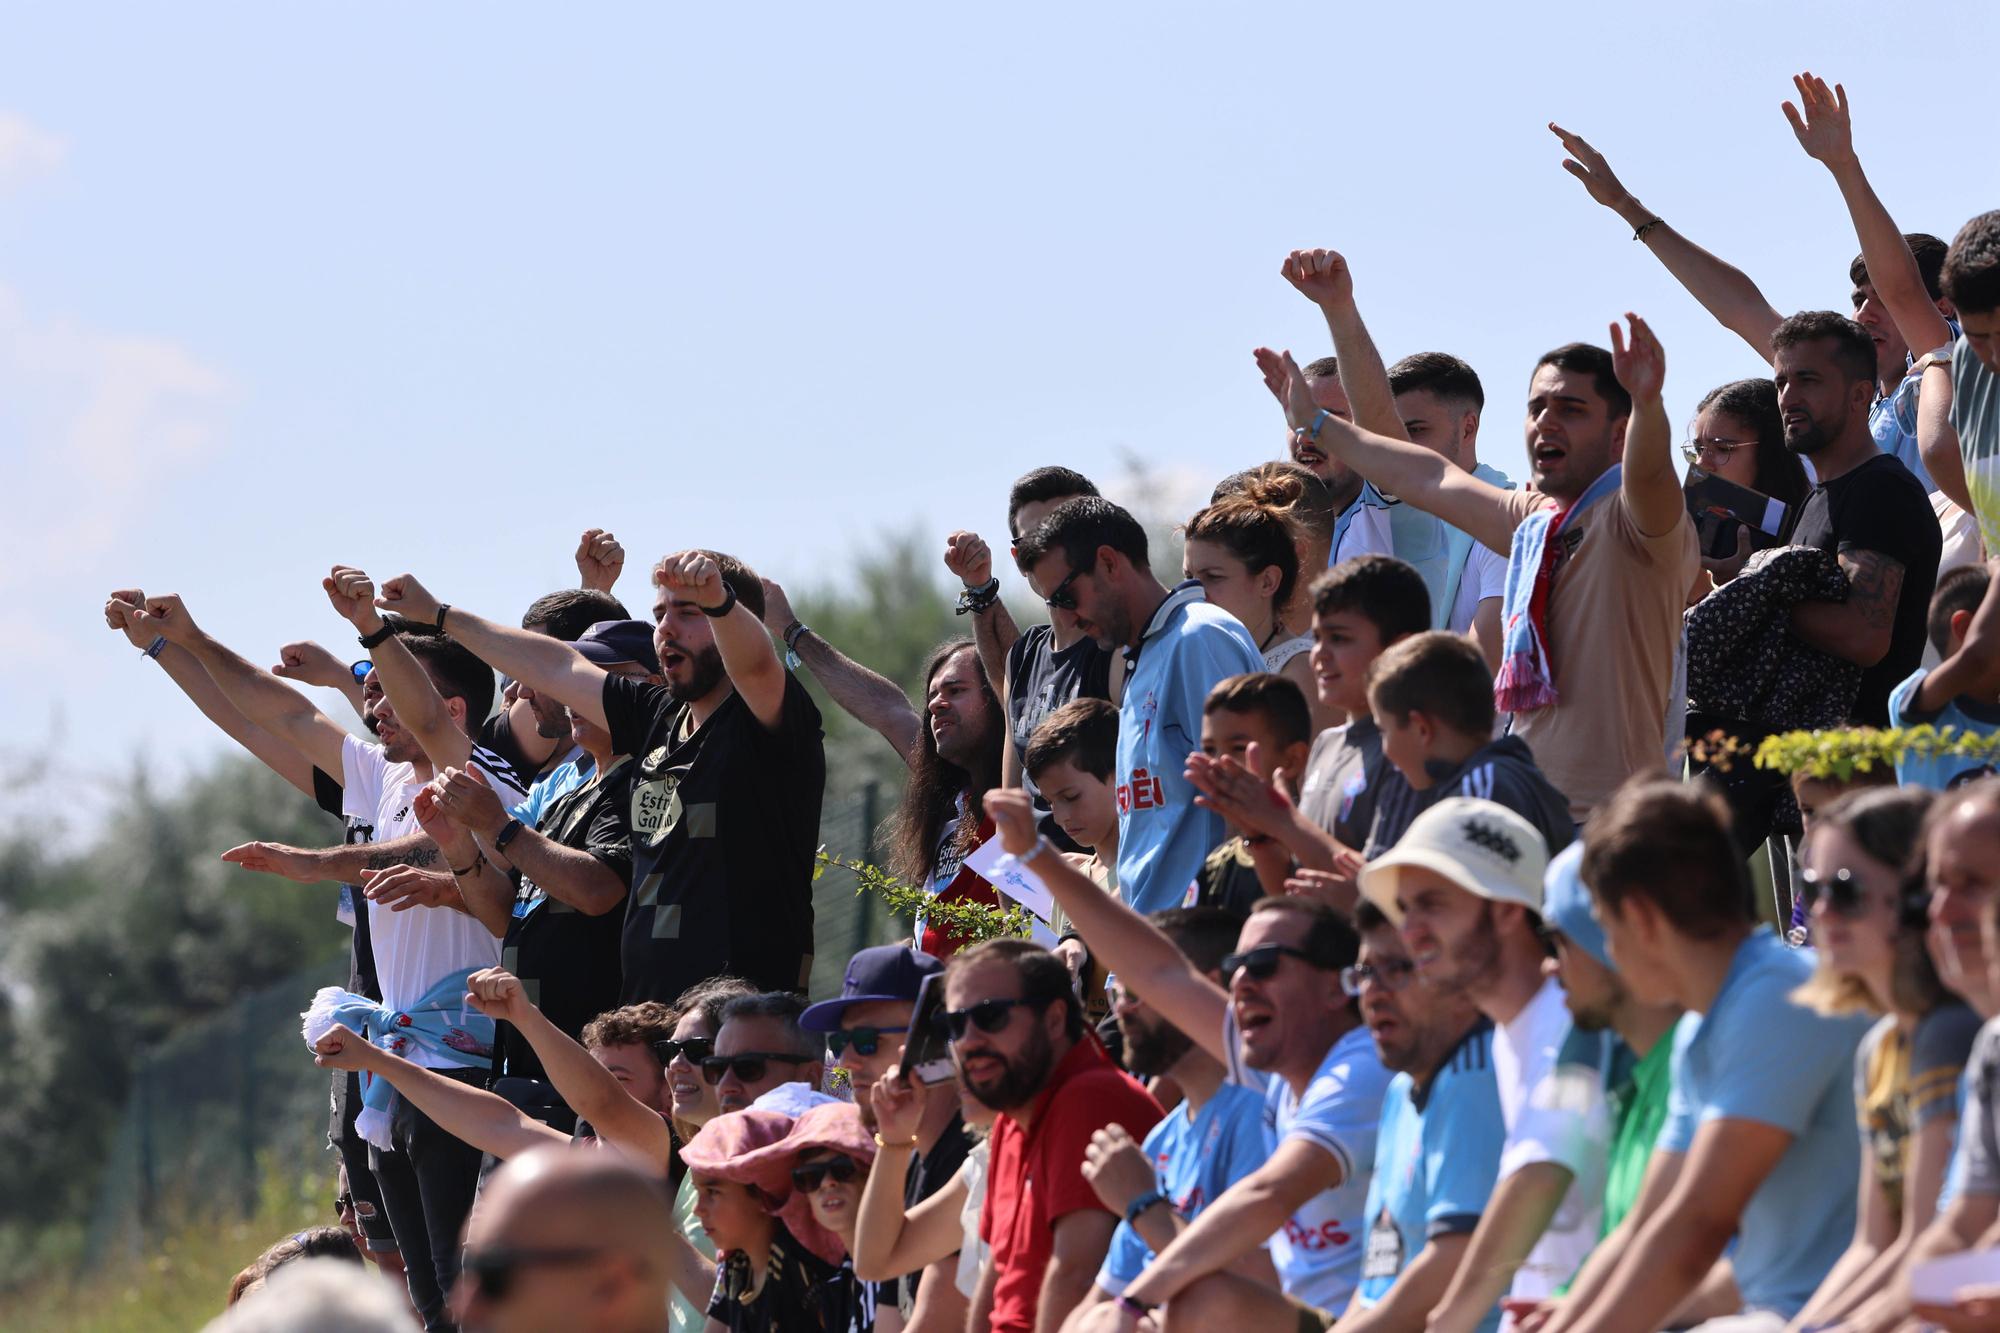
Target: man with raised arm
<point>1280,1019</point>
<point>1601,555</point>
<point>1430,399</point>
<point>731,769</point>
<point>1885,297</point>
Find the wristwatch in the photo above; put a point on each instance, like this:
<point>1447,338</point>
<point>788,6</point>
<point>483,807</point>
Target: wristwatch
<point>507,835</point>
<point>725,606</point>
<point>379,637</point>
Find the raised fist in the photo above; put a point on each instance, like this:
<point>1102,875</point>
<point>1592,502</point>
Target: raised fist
<point>599,559</point>
<point>690,576</point>
<point>409,599</point>
<point>310,664</point>
<point>1322,277</point>
<point>497,993</point>
<point>967,555</point>
<point>164,615</point>
<point>352,593</point>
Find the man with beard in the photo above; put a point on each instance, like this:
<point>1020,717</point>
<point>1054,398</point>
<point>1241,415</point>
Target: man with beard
<point>1867,510</point>
<point>1213,1139</point>
<point>865,1029</point>
<point>1465,887</point>
<point>1599,574</point>
<point>1759,1142</point>
<point>1020,1045</point>
<point>731,767</point>
<point>1089,556</point>
<point>1283,1025</point>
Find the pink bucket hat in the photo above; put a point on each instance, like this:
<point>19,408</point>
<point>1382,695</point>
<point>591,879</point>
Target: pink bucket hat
<point>831,1125</point>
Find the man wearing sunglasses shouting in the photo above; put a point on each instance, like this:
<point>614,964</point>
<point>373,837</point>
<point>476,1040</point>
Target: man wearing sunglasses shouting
<point>1280,1021</point>
<point>562,1240</point>
<point>1021,1047</point>
<point>1089,557</point>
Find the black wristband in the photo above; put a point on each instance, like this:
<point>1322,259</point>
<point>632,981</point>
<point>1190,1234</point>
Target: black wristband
<point>439,622</point>
<point>379,637</point>
<point>507,835</point>
<point>725,606</point>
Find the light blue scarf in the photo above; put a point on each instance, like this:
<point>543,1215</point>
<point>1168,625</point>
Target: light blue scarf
<point>1527,678</point>
<point>439,1024</point>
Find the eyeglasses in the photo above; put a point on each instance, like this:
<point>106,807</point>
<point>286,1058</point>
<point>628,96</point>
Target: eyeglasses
<point>1391,974</point>
<point>749,1067</point>
<point>865,1041</point>
<point>808,1177</point>
<point>361,669</point>
<point>696,1049</point>
<point>341,1204</point>
<point>1697,449</point>
<point>987,1016</point>
<point>494,1271</point>
<point>1060,597</point>
<point>1262,962</point>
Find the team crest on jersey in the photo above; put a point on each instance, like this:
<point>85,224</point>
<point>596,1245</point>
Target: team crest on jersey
<point>656,808</point>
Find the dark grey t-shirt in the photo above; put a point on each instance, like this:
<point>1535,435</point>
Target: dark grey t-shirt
<point>1343,776</point>
<point>1041,679</point>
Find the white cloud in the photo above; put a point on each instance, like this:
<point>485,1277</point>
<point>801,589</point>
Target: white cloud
<point>27,150</point>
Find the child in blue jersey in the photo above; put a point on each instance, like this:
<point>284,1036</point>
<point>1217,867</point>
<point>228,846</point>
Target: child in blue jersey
<point>1928,696</point>
<point>1213,1139</point>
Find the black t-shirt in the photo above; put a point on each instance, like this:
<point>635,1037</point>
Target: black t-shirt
<point>1228,879</point>
<point>724,826</point>
<point>1880,507</point>
<point>927,1174</point>
<point>497,735</point>
<point>800,1292</point>
<point>1040,680</point>
<point>568,962</point>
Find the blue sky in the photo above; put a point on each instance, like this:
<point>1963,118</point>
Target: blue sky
<point>436,287</point>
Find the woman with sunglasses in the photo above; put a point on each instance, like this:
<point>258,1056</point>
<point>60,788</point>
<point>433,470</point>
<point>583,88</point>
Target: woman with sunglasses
<point>1867,922</point>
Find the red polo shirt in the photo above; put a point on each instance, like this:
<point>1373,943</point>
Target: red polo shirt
<point>1035,1175</point>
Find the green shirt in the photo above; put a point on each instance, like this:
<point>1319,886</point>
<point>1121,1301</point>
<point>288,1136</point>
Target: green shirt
<point>1638,1095</point>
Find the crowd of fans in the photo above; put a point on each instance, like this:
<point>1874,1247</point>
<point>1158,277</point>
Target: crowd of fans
<point>1395,960</point>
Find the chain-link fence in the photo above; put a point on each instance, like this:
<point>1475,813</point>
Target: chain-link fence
<point>219,1104</point>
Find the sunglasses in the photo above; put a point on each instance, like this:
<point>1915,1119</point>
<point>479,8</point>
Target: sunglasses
<point>987,1016</point>
<point>361,670</point>
<point>1262,962</point>
<point>1845,894</point>
<point>1391,975</point>
<point>809,1177</point>
<point>341,1203</point>
<point>696,1049</point>
<point>494,1271</point>
<point>865,1041</point>
<point>1060,597</point>
<point>749,1067</point>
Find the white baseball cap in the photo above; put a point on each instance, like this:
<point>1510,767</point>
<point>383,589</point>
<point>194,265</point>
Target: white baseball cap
<point>1484,848</point>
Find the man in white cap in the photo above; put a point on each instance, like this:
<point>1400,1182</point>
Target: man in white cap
<point>1465,886</point>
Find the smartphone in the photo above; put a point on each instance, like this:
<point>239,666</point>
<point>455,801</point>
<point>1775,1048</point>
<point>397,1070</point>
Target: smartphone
<point>926,1054</point>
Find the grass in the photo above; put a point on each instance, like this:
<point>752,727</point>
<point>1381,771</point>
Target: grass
<point>181,1284</point>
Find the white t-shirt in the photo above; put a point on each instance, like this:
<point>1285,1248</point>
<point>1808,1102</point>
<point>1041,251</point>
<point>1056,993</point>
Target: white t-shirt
<point>1485,576</point>
<point>413,949</point>
<point>1555,1112</point>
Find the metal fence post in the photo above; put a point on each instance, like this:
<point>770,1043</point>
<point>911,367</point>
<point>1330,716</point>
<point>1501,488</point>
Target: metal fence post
<point>870,794</point>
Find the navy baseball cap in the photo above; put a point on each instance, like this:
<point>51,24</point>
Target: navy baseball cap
<point>886,972</point>
<point>614,642</point>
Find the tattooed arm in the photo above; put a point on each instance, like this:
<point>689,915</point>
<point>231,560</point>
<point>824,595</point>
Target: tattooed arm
<point>1859,628</point>
<point>310,865</point>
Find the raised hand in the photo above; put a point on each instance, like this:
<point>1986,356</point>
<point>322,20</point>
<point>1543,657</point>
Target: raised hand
<point>497,993</point>
<point>310,664</point>
<point>1255,807</point>
<point>1336,888</point>
<point>352,593</point>
<point>470,801</point>
<point>1287,384</point>
<point>899,1109</point>
<point>967,556</point>
<point>299,864</point>
<point>1823,130</point>
<point>1013,816</point>
<point>409,599</point>
<point>1117,1169</point>
<point>1588,165</point>
<point>399,888</point>
<point>690,576</point>
<point>164,615</point>
<point>343,1048</point>
<point>121,610</point>
<point>599,559</point>
<point>1322,277</point>
<point>778,615</point>
<point>1640,366</point>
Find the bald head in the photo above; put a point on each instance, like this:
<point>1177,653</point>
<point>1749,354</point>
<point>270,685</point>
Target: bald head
<point>577,1239</point>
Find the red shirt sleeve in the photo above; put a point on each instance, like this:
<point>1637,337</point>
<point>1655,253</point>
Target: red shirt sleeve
<point>1106,1098</point>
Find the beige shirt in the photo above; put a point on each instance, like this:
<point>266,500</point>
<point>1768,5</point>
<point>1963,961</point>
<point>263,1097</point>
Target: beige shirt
<point>1614,625</point>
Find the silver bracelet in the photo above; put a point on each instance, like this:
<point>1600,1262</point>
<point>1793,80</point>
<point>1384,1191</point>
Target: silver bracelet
<point>1009,862</point>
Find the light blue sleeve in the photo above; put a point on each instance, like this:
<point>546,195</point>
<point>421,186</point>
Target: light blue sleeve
<point>1902,699</point>
<point>1242,1150</point>
<point>1463,1134</point>
<point>1677,1132</point>
<point>1343,1117</point>
<point>1772,1061</point>
<point>529,811</point>
<point>1124,1261</point>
